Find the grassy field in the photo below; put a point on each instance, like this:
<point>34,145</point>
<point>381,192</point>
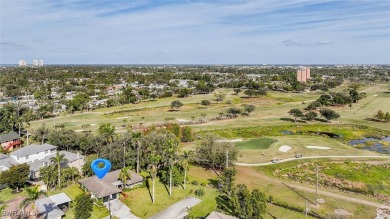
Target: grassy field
<point>269,111</point>
<point>254,178</point>
<point>257,143</point>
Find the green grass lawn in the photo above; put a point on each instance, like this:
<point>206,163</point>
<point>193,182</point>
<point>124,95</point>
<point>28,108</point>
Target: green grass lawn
<point>8,194</point>
<point>257,143</point>
<point>140,202</point>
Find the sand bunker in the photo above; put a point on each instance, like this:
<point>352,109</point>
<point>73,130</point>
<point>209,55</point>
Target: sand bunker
<point>92,124</point>
<point>183,120</point>
<point>79,130</point>
<point>284,148</point>
<point>318,147</point>
<point>230,140</point>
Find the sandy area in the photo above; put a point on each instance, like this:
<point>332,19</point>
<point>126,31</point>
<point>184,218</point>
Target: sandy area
<point>284,148</point>
<point>79,130</point>
<point>318,147</point>
<point>92,124</point>
<point>125,117</point>
<point>230,140</point>
<point>183,120</point>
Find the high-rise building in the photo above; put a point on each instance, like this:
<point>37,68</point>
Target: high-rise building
<point>303,74</point>
<point>40,63</point>
<point>22,63</point>
<point>35,62</point>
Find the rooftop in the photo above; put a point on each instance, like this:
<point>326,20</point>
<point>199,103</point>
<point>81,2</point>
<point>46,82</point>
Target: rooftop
<point>32,149</point>
<point>8,137</point>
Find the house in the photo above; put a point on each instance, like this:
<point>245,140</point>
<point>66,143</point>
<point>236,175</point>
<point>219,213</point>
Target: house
<point>219,215</point>
<point>38,156</point>
<point>9,141</point>
<point>52,207</point>
<point>110,186</point>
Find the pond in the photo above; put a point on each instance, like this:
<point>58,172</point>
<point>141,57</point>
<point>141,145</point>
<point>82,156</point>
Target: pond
<point>373,144</point>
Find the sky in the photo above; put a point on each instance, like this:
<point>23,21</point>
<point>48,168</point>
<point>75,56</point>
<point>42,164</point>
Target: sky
<point>195,31</point>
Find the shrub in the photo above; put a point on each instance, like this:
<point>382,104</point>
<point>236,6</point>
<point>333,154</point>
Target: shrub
<point>194,182</point>
<point>199,192</point>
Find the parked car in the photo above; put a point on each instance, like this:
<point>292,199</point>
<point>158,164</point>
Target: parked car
<point>274,160</point>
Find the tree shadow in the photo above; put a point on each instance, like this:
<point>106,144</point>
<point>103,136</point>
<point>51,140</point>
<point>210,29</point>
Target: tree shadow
<point>223,204</point>
<point>214,183</point>
<point>321,120</point>
<point>147,184</point>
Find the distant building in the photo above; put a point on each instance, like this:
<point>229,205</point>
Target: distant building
<point>22,63</point>
<point>35,62</point>
<point>303,74</point>
<point>40,63</point>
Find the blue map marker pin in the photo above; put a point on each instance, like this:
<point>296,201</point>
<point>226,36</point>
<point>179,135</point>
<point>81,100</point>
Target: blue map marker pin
<point>100,172</point>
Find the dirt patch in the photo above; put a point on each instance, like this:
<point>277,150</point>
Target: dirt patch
<point>318,147</point>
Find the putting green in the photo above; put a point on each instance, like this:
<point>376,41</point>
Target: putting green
<point>256,143</point>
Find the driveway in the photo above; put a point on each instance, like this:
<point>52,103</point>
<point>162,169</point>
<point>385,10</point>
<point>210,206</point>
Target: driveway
<point>120,210</point>
<point>177,210</point>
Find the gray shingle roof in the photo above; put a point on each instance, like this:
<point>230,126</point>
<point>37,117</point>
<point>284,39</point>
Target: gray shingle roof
<point>60,198</point>
<point>38,164</point>
<point>32,149</point>
<point>8,137</point>
<point>7,161</point>
<point>47,208</point>
<point>104,187</point>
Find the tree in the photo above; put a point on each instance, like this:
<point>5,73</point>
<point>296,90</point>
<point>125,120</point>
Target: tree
<point>57,160</point>
<point>185,158</point>
<point>226,180</point>
<point>219,96</point>
<point>16,176</point>
<point>213,153</point>
<point>205,102</point>
<point>310,115</point>
<point>107,131</point>
<point>33,194</point>
<point>153,173</point>
<point>249,108</point>
<point>83,206</point>
<point>41,133</point>
<point>176,104</point>
<point>237,90</point>
<point>234,111</point>
<point>313,105</point>
<point>380,115</point>
<point>49,175</point>
<point>329,114</point>
<point>241,202</point>
<point>186,134</point>
<point>259,203</point>
<point>295,113</point>
<point>184,92</point>
<point>250,92</point>
<point>124,175</point>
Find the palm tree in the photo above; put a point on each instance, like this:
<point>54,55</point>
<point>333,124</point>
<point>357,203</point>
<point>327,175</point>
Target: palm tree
<point>170,160</point>
<point>153,173</point>
<point>137,140</point>
<point>107,131</point>
<point>57,160</point>
<point>185,157</point>
<point>124,175</point>
<point>33,194</point>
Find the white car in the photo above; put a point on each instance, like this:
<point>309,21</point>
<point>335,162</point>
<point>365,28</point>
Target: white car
<point>275,160</point>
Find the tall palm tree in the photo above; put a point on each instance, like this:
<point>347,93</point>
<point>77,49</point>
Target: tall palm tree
<point>153,173</point>
<point>170,160</point>
<point>57,160</point>
<point>185,158</point>
<point>124,175</point>
<point>137,140</point>
<point>33,194</point>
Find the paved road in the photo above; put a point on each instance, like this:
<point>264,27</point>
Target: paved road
<point>177,210</point>
<point>311,157</point>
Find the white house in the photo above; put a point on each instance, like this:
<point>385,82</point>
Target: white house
<point>38,156</point>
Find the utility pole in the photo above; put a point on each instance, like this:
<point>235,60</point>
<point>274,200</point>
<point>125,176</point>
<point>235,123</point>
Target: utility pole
<point>137,156</point>
<point>306,208</point>
<point>227,158</point>
<point>124,155</point>
<point>316,185</point>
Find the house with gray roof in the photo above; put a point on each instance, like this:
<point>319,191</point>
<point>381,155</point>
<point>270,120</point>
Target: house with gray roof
<point>52,207</point>
<point>110,186</point>
<point>10,140</point>
<point>38,156</point>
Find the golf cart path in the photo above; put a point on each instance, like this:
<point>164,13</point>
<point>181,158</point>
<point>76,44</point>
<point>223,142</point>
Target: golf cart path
<point>310,157</point>
<point>254,174</point>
